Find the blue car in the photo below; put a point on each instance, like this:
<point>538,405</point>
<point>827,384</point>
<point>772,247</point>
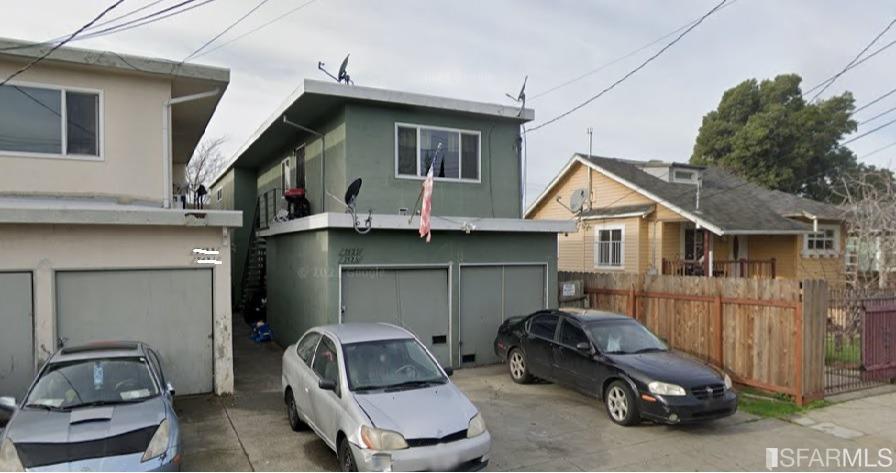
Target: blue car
<point>98,407</point>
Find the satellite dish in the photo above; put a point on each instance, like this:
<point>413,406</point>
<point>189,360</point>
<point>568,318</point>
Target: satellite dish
<point>351,194</point>
<point>343,74</point>
<point>577,199</point>
<point>520,97</point>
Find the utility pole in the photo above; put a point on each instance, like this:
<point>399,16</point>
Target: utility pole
<point>590,141</point>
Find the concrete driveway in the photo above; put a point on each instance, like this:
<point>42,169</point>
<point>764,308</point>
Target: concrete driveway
<point>539,427</point>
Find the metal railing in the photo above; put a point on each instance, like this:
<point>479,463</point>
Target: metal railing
<point>269,204</point>
<point>742,268</point>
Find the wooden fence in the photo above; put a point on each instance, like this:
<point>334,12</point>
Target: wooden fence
<point>765,333</point>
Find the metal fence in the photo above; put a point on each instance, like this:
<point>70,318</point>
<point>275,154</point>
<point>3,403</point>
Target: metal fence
<point>857,338</point>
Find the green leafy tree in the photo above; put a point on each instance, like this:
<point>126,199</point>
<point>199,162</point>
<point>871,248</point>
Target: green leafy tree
<point>767,133</point>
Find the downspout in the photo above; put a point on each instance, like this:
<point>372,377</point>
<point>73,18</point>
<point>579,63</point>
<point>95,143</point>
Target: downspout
<point>167,179</point>
<point>323,156</point>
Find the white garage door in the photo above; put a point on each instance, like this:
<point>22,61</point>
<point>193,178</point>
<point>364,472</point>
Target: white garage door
<point>170,309</point>
<point>490,294</point>
<point>416,299</point>
<point>16,334</point>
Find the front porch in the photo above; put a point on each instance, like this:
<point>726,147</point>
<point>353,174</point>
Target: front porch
<point>740,268</point>
<point>702,253</point>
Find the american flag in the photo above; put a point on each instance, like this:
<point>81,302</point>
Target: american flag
<point>426,210</point>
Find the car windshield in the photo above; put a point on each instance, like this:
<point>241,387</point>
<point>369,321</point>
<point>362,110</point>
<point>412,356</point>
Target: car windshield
<point>624,337</point>
<point>390,364</point>
<point>93,382</point>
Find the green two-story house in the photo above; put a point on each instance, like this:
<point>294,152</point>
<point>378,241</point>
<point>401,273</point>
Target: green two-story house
<point>485,262</point>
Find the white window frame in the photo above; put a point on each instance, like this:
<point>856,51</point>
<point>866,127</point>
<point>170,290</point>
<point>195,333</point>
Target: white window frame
<point>285,175</point>
<point>100,135</point>
<point>459,131</point>
<point>596,246</point>
<point>219,194</point>
<point>820,253</point>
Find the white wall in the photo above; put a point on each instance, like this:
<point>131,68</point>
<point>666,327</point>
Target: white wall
<point>131,167</point>
<point>44,249</point>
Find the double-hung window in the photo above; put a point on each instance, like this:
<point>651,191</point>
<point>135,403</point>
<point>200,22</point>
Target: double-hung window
<point>46,121</point>
<point>824,242</point>
<point>456,154</point>
<point>609,246</point>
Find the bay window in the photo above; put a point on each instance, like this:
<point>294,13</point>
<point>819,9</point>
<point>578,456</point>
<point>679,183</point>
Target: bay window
<point>49,121</point>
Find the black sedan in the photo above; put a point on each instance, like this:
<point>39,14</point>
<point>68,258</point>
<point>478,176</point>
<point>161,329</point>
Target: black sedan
<point>618,360</point>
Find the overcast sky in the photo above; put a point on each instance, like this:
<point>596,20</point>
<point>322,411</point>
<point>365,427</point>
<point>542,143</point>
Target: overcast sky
<point>479,50</point>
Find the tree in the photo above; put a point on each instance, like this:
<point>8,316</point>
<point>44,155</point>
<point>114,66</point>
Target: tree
<point>767,133</point>
<point>203,166</point>
<point>869,197</point>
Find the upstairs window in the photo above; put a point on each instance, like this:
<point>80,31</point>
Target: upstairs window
<point>824,242</point>
<point>417,146</point>
<point>49,121</point>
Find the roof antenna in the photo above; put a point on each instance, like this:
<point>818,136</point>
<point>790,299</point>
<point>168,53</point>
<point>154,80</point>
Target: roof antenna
<point>699,188</point>
<point>340,77</point>
<point>520,97</point>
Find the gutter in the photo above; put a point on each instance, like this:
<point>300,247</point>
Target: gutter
<point>167,142</point>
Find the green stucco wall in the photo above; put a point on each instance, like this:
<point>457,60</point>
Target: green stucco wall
<point>370,154</point>
<point>303,268</point>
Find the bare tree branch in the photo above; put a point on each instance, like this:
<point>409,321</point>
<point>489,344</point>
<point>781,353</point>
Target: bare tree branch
<point>869,198</point>
<point>203,166</point>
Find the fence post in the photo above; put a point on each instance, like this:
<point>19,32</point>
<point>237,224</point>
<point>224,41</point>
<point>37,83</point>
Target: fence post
<point>798,353</point>
<point>813,313</point>
<point>632,303</point>
<point>718,340</point>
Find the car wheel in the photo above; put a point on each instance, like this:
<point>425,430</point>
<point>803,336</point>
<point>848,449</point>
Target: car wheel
<point>519,369</point>
<point>295,422</point>
<point>346,459</point>
<point>621,404</point>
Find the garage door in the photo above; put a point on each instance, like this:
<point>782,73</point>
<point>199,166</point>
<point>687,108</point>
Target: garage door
<point>416,299</point>
<point>16,334</point>
<point>169,309</point>
<point>490,294</point>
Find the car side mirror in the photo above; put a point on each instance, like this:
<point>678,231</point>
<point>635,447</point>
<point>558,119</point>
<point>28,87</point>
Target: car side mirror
<point>7,409</point>
<point>448,370</point>
<point>170,389</point>
<point>584,347</point>
<point>327,385</point>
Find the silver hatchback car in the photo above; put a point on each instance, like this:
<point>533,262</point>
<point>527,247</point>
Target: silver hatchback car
<point>379,399</point>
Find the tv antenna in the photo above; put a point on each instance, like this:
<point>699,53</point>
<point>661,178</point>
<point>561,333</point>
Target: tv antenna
<point>520,97</point>
<point>351,197</point>
<point>342,75</point>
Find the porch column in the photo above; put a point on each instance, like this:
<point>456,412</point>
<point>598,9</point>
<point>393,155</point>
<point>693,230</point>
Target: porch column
<point>707,253</point>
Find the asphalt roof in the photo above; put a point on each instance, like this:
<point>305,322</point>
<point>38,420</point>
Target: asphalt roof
<point>726,201</point>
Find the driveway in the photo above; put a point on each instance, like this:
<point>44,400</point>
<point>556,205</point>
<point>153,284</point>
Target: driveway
<point>536,427</point>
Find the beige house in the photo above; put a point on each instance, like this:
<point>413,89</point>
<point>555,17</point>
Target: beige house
<point>93,242</point>
<point>671,218</point>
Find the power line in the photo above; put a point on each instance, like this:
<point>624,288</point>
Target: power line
<point>262,26</point>
<point>868,132</point>
<point>620,58</point>
<point>853,61</point>
<point>61,43</point>
<point>857,64</point>
<point>878,150</point>
<point>633,71</point>
<point>878,99</point>
<point>223,32</point>
<point>876,116</point>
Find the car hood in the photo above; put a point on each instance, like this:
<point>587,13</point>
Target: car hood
<point>426,413</point>
<point>671,367</point>
<point>84,424</point>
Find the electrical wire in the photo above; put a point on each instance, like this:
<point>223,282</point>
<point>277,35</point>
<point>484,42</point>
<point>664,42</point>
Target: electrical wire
<point>61,43</point>
<point>225,30</point>
<point>877,116</point>
<point>147,19</point>
<point>873,130</point>
<point>621,58</point>
<point>633,71</point>
<point>857,64</point>
<point>259,27</point>
<point>853,61</point>
<point>878,150</point>
<point>878,99</point>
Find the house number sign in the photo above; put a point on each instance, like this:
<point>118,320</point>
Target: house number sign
<point>351,255</point>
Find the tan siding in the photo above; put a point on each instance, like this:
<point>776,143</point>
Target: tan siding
<point>780,247</point>
<point>608,193</point>
<point>550,209</point>
<point>671,248</point>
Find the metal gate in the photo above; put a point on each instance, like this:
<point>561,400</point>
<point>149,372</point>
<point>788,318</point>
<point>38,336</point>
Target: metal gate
<point>879,340</point>
<point>860,339</point>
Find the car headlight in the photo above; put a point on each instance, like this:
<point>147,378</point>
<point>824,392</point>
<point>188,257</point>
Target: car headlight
<point>665,389</point>
<point>158,445</point>
<point>9,457</point>
<point>728,383</point>
<point>379,439</point>
<point>476,427</point>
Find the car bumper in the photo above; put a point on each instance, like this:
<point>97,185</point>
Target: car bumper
<point>688,409</point>
<point>462,455</point>
<point>130,462</point>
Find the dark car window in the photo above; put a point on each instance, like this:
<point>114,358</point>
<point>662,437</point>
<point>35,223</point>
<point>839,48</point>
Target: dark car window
<point>624,337</point>
<point>71,384</point>
<point>156,364</point>
<point>326,362</point>
<point>306,347</point>
<point>571,334</point>
<point>385,364</point>
<point>544,326</point>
